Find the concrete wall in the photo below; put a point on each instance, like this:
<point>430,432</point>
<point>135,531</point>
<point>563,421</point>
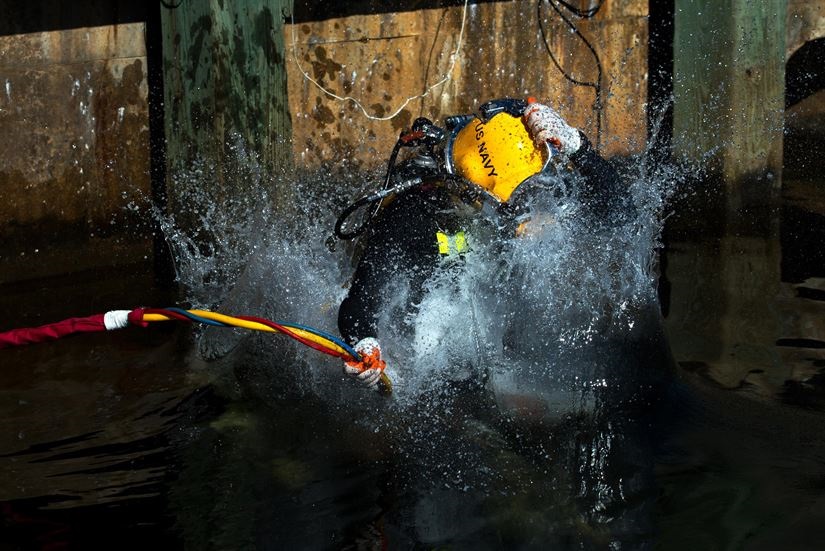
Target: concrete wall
<point>729,83</point>
<point>74,143</point>
<point>74,146</point>
<point>806,21</point>
<point>381,60</point>
<point>224,78</point>
<point>733,300</point>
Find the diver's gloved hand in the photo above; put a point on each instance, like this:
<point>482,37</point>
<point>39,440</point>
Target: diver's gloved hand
<point>368,371</point>
<point>547,126</point>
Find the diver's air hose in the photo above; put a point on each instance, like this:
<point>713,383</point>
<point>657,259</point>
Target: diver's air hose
<point>119,319</point>
<point>423,132</point>
<point>375,198</point>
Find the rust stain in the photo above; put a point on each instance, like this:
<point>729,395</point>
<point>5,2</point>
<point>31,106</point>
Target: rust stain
<point>387,58</point>
<point>362,40</point>
<point>75,149</point>
<point>324,66</point>
<point>378,109</point>
<point>322,114</point>
<point>403,121</point>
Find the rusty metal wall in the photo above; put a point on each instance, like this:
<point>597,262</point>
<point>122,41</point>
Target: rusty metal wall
<point>381,60</point>
<point>74,144</point>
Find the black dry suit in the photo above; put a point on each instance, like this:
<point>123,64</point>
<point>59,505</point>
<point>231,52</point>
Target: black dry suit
<point>411,236</point>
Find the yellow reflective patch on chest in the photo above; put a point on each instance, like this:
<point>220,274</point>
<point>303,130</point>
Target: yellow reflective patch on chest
<point>451,244</point>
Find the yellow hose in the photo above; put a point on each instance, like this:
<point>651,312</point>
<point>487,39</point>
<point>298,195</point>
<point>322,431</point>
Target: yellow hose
<point>253,325</point>
<point>256,326</point>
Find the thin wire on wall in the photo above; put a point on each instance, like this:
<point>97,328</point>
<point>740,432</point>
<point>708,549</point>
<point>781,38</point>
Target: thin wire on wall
<point>447,75</point>
<point>597,85</point>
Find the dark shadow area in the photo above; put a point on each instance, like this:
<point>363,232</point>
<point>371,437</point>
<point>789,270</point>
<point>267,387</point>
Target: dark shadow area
<point>803,213</point>
<point>804,143</point>
<point>697,216</point>
<point>801,237</point>
<point>660,107</point>
<point>164,263</point>
<point>804,151</point>
<point>660,81</point>
<point>805,72</point>
<point>311,10</point>
<point>135,514</point>
<point>54,15</point>
<point>809,394</point>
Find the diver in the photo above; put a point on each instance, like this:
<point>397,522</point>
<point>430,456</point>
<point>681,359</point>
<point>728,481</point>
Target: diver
<point>480,183</point>
<point>468,181</point>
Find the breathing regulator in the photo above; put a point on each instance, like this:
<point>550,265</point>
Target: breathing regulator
<point>488,155</point>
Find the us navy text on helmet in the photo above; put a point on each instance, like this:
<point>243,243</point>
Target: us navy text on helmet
<point>482,150</point>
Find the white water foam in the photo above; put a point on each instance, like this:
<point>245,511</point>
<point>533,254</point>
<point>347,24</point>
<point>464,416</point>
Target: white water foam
<point>523,314</point>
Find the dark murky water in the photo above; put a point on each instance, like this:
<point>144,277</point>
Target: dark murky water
<point>129,439</point>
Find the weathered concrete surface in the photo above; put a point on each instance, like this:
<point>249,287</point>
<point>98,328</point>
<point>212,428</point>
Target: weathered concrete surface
<point>805,88</point>
<point>74,146</point>
<point>729,87</point>
<point>733,308</point>
<point>224,81</point>
<point>723,317</point>
<point>806,21</point>
<point>805,137</point>
<point>381,60</point>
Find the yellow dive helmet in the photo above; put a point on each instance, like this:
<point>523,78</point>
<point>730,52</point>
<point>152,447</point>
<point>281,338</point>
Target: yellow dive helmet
<point>497,155</point>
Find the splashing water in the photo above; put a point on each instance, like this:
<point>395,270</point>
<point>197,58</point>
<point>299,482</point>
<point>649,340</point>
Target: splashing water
<point>527,310</point>
<point>212,236</point>
<point>557,322</point>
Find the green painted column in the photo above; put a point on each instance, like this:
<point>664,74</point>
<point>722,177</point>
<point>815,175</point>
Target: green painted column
<point>728,115</point>
<point>729,86</point>
<point>225,82</point>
